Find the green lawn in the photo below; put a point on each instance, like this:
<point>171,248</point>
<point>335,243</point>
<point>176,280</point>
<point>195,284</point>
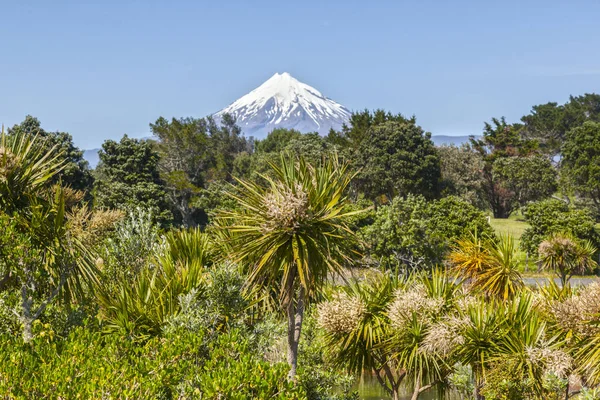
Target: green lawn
<point>513,225</point>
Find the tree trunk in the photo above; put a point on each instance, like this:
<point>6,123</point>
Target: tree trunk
<point>295,316</point>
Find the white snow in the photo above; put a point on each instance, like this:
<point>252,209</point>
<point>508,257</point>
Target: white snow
<point>283,101</point>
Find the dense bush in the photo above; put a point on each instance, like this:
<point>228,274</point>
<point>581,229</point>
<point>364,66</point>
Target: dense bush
<point>414,232</point>
<point>554,216</point>
<point>88,365</point>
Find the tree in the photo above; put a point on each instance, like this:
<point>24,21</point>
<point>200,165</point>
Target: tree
<point>524,179</point>
<point>277,140</point>
<point>226,142</point>
<point>567,256</point>
<point>580,164</point>
<point>185,158</point>
<point>353,135</point>
<point>381,325</point>
<point>500,140</point>
<point>549,123</point>
<point>292,234</point>
<point>462,173</point>
<point>491,265</point>
<point>128,176</point>
<point>398,159</point>
<point>415,234</point>
<point>75,173</point>
<point>43,255</point>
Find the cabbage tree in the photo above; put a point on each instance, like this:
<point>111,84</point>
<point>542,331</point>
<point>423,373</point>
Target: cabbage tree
<point>291,233</point>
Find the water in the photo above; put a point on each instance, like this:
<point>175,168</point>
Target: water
<point>369,389</point>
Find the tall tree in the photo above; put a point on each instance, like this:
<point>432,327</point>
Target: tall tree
<point>128,176</point>
<point>462,173</point>
<point>549,123</point>
<point>524,179</point>
<point>500,140</point>
<point>398,158</point>
<point>353,134</point>
<point>292,234</point>
<point>581,162</point>
<point>226,142</point>
<point>185,158</point>
<point>76,173</point>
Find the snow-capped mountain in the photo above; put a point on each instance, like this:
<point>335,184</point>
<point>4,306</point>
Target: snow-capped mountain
<point>284,102</point>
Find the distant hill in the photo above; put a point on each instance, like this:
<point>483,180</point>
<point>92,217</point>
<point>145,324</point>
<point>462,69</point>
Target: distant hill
<point>439,140</point>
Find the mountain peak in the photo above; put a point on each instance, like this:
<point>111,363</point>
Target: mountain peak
<point>282,101</point>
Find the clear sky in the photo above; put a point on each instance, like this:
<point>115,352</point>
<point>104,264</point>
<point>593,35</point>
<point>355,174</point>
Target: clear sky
<point>99,69</point>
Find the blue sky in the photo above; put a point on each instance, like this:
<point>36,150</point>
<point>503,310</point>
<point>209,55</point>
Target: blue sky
<point>99,69</point>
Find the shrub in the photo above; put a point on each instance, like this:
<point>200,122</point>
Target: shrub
<point>415,233</point>
<point>554,216</point>
<point>89,365</point>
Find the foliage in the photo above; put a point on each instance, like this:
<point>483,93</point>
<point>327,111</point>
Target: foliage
<point>88,365</point>
<point>500,140</point>
<point>567,256</point>
<point>75,173</point>
<point>292,233</point>
<point>581,160</point>
<point>552,216</point>
<point>398,159</point>
<point>128,177</point>
<point>525,179</point>
<point>44,257</point>
<point>194,152</point>
<point>490,265</point>
<point>129,249</point>
<point>462,174</point>
<point>139,307</point>
<point>382,325</point>
<point>416,234</point>
<point>550,123</point>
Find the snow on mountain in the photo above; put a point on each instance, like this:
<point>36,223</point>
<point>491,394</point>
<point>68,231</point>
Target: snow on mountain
<point>284,102</point>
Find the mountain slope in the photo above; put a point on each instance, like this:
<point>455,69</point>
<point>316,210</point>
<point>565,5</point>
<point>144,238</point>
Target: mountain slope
<point>284,102</point>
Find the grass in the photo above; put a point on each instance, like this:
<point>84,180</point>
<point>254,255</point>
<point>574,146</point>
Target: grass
<point>515,226</point>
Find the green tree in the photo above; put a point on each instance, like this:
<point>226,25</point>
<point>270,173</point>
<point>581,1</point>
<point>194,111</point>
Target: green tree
<point>382,324</point>
<point>277,140</point>
<point>567,256</point>
<point>398,158</point>
<point>500,140</point>
<point>185,158</point>
<point>580,164</point>
<point>226,142</point>
<point>524,179</point>
<point>549,123</point>
<point>128,176</point>
<point>75,173</point>
<point>292,234</point>
<point>353,134</point>
<point>462,173</point>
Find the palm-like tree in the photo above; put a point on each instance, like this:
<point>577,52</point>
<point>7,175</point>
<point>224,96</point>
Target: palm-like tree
<point>52,260</point>
<point>567,256</point>
<point>490,264</point>
<point>292,234</point>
